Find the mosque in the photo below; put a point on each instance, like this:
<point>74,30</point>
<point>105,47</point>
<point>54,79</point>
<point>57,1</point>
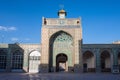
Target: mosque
<point>61,50</point>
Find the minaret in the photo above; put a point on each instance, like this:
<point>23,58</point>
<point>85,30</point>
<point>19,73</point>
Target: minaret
<point>62,13</point>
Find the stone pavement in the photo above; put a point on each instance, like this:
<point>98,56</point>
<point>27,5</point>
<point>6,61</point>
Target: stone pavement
<point>59,76</point>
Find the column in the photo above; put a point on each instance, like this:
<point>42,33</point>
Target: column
<point>114,64</point>
<point>26,61</point>
<point>115,56</point>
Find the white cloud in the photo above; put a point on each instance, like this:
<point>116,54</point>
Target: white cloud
<point>12,28</point>
<point>14,39</point>
<point>3,28</point>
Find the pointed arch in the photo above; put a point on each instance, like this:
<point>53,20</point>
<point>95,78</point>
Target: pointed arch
<point>105,61</point>
<point>34,53</point>
<point>88,61</point>
<point>57,33</point>
<point>61,62</point>
<point>17,60</point>
<point>34,61</point>
<point>59,42</point>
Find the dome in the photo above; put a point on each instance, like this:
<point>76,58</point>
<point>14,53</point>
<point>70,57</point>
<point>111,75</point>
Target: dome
<point>62,12</point>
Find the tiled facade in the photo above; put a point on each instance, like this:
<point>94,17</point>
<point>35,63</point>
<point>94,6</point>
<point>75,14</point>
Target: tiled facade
<point>61,49</point>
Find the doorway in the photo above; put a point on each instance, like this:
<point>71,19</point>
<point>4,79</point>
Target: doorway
<point>61,63</point>
<point>34,62</point>
<point>88,62</point>
<point>105,61</point>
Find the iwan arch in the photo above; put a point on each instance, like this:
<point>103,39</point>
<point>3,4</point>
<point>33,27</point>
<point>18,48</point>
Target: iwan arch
<point>61,50</point>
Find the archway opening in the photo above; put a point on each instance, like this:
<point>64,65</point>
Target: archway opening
<point>34,62</point>
<point>105,61</point>
<point>88,62</point>
<point>17,61</point>
<point>61,63</point>
<point>2,60</point>
<point>60,42</point>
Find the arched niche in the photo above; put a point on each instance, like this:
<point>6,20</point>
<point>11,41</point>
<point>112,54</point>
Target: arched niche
<point>61,62</point>
<point>88,62</point>
<point>17,60</point>
<point>34,62</point>
<point>105,61</point>
<point>60,42</point>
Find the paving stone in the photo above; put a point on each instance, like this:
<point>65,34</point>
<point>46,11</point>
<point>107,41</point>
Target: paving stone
<point>59,76</point>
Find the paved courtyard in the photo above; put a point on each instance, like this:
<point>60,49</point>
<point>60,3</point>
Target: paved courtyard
<point>59,76</point>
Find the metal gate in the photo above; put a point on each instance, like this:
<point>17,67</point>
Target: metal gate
<point>34,62</point>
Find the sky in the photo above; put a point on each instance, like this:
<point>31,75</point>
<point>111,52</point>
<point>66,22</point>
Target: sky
<point>20,20</point>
